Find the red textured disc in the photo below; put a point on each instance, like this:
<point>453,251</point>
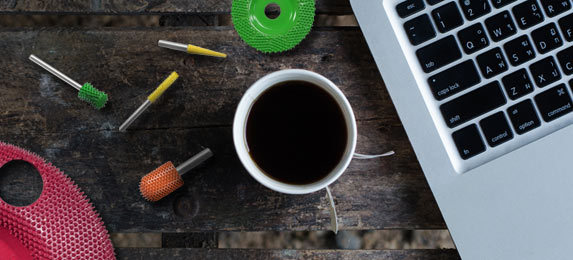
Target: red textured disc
<point>61,224</point>
<point>12,248</point>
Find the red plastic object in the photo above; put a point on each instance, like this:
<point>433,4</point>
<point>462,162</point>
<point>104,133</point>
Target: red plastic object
<point>61,224</point>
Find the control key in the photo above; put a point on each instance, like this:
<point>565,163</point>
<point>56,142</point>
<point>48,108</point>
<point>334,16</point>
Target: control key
<point>496,129</point>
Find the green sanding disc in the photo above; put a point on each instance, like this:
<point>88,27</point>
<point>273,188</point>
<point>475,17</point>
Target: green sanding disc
<point>273,35</point>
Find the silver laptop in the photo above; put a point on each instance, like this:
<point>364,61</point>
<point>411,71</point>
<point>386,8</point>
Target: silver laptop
<point>484,90</point>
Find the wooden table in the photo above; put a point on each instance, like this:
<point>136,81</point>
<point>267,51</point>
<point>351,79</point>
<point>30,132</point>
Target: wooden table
<point>41,113</point>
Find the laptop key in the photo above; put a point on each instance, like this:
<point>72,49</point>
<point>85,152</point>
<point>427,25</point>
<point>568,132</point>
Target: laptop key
<point>491,63</point>
<point>517,84</point>
<point>555,7</point>
<point>473,38</point>
<point>409,7</point>
<point>447,17</point>
<point>433,2</point>
<point>473,9</point>
<point>500,26</point>
<point>523,117</point>
<point>565,58</point>
<point>519,50</point>
<point>472,104</point>
<point>496,129</point>
<point>546,38</point>
<point>454,80</point>
<point>419,29</point>
<point>468,141</point>
<point>545,72</point>
<point>554,103</point>
<point>501,3</point>
<point>527,14</point>
<point>566,24</point>
<point>438,54</point>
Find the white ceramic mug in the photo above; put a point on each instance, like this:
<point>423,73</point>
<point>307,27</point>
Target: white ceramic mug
<point>242,114</point>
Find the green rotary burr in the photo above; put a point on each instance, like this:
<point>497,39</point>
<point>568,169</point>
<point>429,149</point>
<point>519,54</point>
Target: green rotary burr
<point>87,92</point>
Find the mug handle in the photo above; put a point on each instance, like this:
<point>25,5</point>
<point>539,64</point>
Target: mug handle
<point>332,209</point>
<point>360,156</point>
<point>331,206</point>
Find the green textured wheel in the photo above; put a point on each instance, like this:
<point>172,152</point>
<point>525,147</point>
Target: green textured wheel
<point>92,95</point>
<point>273,35</point>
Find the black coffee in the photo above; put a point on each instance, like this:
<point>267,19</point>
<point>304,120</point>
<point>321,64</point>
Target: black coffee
<point>296,132</point>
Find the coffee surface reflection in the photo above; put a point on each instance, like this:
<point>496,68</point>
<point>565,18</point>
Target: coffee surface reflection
<point>296,132</point>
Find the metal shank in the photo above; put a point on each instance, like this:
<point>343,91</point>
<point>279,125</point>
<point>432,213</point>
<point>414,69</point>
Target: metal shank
<point>194,161</point>
<point>172,45</point>
<point>56,72</point>
<point>135,115</point>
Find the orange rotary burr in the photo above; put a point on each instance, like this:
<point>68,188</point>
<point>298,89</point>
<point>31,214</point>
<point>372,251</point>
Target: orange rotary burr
<point>167,178</point>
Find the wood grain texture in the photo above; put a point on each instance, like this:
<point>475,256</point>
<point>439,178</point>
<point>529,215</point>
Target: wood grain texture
<point>189,240</point>
<point>287,254</point>
<point>42,114</point>
<point>145,6</point>
<point>16,176</point>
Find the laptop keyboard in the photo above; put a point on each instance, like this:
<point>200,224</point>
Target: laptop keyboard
<point>484,61</point>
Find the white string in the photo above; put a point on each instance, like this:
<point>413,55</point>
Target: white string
<point>371,156</point>
<point>332,208</point>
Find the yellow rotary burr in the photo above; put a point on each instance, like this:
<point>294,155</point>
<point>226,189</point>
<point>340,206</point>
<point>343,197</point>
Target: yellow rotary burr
<point>150,99</point>
<point>192,49</point>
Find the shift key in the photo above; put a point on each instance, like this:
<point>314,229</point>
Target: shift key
<point>438,54</point>
<point>473,104</point>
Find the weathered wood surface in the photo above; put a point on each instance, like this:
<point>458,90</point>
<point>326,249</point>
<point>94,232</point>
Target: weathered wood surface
<point>16,176</point>
<point>287,254</point>
<point>42,114</point>
<point>144,6</point>
<point>189,240</point>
